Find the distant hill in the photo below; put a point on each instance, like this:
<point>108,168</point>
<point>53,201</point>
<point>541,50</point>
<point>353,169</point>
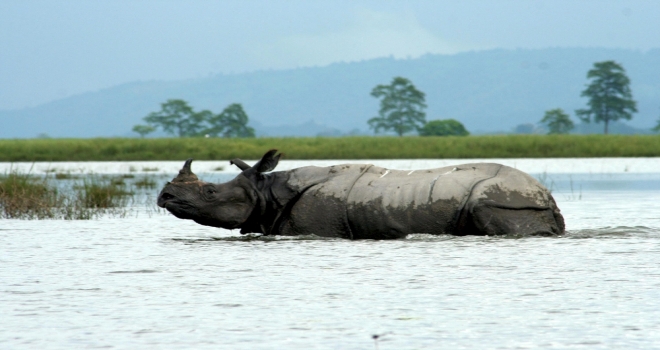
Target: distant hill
<point>489,91</point>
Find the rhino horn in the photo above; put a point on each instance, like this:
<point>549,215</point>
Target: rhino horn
<point>185,174</point>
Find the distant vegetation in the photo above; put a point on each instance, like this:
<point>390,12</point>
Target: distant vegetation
<point>221,149</point>
<point>489,91</point>
<point>401,107</point>
<point>176,117</point>
<point>446,127</point>
<point>557,121</point>
<point>610,98</point>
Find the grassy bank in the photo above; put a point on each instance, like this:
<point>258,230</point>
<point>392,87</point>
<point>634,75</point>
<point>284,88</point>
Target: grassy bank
<point>512,146</point>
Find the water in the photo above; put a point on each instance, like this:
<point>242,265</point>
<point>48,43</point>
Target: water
<point>150,280</point>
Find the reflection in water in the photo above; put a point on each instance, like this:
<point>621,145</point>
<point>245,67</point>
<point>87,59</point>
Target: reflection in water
<point>150,280</point>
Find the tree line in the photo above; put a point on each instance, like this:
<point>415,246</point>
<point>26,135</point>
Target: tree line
<point>610,99</point>
<point>402,108</point>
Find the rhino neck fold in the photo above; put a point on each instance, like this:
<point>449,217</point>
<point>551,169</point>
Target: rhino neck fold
<point>278,192</point>
<point>275,197</point>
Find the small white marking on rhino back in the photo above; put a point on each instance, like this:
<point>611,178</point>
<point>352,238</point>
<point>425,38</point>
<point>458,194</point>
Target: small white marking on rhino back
<point>449,172</point>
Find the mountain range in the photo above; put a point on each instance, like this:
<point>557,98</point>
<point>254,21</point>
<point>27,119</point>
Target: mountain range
<point>492,91</point>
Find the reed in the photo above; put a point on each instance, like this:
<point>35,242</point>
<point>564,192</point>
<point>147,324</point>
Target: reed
<point>145,182</point>
<point>98,193</point>
<point>23,196</point>
<point>504,146</point>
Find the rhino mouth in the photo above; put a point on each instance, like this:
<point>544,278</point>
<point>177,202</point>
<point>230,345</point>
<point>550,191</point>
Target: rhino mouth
<point>179,208</point>
<point>162,202</point>
<point>166,199</point>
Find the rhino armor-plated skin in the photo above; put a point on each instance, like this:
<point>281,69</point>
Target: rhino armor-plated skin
<point>363,201</point>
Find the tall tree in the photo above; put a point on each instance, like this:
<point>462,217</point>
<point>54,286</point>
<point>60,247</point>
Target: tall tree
<point>401,107</point>
<point>609,94</point>
<point>177,117</point>
<point>557,121</point>
<point>232,122</point>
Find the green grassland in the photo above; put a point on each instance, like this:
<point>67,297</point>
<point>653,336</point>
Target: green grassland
<point>509,146</point>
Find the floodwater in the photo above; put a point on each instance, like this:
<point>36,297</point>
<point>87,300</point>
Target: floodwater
<point>149,280</point>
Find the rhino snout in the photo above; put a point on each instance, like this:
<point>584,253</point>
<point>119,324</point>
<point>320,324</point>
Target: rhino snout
<point>164,198</point>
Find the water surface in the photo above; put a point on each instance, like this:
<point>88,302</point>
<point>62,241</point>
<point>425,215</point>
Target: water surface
<point>150,280</point>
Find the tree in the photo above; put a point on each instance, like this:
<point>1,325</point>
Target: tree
<point>609,95</point>
<point>143,129</point>
<point>177,117</point>
<point>557,121</point>
<point>401,107</point>
<point>232,122</point>
<point>446,127</point>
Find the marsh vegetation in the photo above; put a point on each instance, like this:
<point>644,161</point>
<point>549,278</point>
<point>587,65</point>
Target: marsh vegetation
<point>70,197</point>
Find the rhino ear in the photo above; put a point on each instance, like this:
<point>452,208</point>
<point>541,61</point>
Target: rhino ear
<point>268,162</point>
<point>240,164</point>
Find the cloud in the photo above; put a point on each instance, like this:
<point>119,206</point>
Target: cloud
<point>368,34</point>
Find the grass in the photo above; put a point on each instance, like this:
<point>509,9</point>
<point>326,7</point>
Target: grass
<point>102,194</point>
<point>506,146</point>
<point>23,196</point>
<point>145,182</point>
<point>64,176</point>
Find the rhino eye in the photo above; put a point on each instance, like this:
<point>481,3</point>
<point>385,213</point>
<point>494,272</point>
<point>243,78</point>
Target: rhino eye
<point>209,190</point>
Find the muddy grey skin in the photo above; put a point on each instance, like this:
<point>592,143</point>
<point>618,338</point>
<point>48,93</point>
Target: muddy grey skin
<point>363,201</point>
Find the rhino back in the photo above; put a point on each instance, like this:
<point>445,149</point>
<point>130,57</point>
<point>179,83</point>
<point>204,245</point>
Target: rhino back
<point>394,203</point>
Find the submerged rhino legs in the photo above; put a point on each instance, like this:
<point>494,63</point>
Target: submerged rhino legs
<point>485,219</point>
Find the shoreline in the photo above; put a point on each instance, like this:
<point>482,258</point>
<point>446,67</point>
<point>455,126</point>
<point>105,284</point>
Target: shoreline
<point>609,165</point>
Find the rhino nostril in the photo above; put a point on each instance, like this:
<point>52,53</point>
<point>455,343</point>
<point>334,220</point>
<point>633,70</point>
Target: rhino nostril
<point>166,196</point>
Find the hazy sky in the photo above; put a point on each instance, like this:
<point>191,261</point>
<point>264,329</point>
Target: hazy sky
<point>53,49</point>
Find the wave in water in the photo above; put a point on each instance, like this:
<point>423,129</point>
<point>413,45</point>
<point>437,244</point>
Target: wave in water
<point>603,232</point>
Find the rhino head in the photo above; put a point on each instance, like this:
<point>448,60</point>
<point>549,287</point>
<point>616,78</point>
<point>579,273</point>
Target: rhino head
<point>227,205</point>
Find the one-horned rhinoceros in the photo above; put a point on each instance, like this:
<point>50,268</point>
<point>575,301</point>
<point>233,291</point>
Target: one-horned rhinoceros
<point>359,201</point>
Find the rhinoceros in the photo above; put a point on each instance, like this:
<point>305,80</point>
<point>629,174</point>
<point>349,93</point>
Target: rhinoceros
<point>364,201</point>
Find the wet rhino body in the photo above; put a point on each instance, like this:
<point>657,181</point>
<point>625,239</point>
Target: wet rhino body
<point>363,201</point>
